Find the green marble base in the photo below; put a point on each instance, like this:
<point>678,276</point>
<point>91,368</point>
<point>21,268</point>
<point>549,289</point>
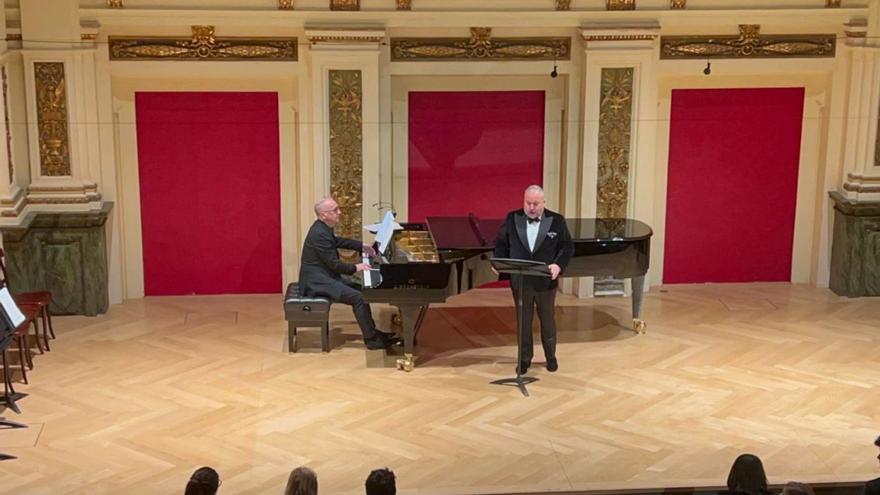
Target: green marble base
<point>855,247</point>
<point>62,252</point>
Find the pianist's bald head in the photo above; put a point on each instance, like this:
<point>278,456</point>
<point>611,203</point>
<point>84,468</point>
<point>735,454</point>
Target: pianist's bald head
<point>327,211</point>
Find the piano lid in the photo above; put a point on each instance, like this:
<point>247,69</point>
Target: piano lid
<point>463,232</point>
<point>607,229</point>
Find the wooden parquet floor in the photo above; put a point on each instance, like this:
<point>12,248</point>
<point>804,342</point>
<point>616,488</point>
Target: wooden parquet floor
<point>133,401</point>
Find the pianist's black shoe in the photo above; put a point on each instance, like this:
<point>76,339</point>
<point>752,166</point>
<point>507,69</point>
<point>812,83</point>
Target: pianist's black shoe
<point>552,365</point>
<point>376,343</point>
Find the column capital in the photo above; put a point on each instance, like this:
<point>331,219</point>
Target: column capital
<point>629,35</point>
<point>330,38</point>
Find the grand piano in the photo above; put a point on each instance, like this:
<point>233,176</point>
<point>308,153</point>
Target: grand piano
<point>425,263</point>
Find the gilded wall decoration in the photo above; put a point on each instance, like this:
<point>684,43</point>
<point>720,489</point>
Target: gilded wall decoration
<point>620,4</point>
<point>346,140</point>
<point>832,3</point>
<point>563,4</point>
<point>285,4</point>
<point>203,45</point>
<point>615,123</point>
<point>677,4</point>
<point>8,129</point>
<point>404,4</point>
<point>749,44</point>
<point>345,5</point>
<point>480,46</point>
<point>115,4</point>
<point>54,138</point>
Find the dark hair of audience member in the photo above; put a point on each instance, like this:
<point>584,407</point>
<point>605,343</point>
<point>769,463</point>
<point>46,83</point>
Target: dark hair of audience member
<point>381,482</point>
<point>302,481</point>
<point>204,481</point>
<point>747,476</point>
<point>877,442</point>
<point>795,488</point>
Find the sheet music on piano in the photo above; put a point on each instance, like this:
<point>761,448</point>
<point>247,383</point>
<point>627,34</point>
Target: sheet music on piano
<point>384,233</point>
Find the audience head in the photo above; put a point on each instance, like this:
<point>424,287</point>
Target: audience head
<point>381,482</point>
<point>328,211</point>
<point>747,475</point>
<point>795,488</point>
<point>302,481</point>
<point>204,481</point>
<point>533,201</point>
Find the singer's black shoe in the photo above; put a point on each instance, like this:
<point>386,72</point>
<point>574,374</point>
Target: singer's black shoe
<point>552,365</point>
<point>524,367</point>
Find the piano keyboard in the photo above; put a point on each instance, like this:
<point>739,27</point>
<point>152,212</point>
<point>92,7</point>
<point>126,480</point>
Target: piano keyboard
<point>372,277</point>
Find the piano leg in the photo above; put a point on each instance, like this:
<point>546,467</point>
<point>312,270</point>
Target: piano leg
<point>410,315</point>
<point>637,292</point>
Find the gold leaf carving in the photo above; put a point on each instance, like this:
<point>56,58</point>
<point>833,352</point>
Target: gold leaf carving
<point>620,4</point>
<point>346,142</point>
<point>563,4</point>
<point>54,138</point>
<point>285,4</point>
<point>115,4</point>
<point>404,4</point>
<point>677,4</point>
<point>749,44</point>
<point>480,46</point>
<point>615,122</point>
<point>832,3</point>
<point>345,5</point>
<point>203,45</point>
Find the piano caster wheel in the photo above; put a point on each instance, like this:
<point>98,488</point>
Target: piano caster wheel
<point>406,363</point>
<point>639,326</point>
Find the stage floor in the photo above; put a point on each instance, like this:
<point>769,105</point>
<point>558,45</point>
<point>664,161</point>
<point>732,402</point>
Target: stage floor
<point>135,400</point>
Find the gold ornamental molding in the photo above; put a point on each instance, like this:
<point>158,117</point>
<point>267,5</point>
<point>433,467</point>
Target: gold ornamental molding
<point>563,4</point>
<point>344,36</point>
<point>404,4</point>
<point>480,46</point>
<point>677,4</point>
<point>642,31</point>
<point>285,4</point>
<point>54,138</point>
<point>832,3</point>
<point>203,45</point>
<point>346,143</point>
<point>6,119</point>
<point>615,123</point>
<point>115,4</point>
<point>749,44</point>
<point>345,5</point>
<point>620,4</point>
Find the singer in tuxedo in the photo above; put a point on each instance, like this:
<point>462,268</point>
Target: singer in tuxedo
<point>538,234</point>
<point>321,271</point>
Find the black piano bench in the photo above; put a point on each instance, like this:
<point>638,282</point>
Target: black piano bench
<point>301,311</point>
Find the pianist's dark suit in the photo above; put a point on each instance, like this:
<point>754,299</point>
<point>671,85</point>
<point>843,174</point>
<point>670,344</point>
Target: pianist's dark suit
<point>321,274</point>
<point>552,245</point>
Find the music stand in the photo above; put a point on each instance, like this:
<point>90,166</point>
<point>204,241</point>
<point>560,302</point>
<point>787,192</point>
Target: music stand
<point>518,269</point>
<point>10,319</point>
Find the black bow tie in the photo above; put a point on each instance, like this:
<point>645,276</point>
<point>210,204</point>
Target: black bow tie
<point>533,220</point>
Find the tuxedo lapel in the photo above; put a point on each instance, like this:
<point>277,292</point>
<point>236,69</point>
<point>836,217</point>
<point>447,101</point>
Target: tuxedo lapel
<point>542,231</point>
<point>520,221</point>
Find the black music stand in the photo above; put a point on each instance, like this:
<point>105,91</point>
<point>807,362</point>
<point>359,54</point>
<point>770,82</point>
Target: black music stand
<point>518,269</point>
<point>7,328</point>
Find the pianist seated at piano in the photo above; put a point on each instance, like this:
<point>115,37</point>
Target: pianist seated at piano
<point>538,234</point>
<point>321,271</point>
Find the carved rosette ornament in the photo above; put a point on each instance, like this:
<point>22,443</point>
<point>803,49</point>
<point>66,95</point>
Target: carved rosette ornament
<point>620,4</point>
<point>54,138</point>
<point>563,4</point>
<point>615,123</point>
<point>203,45</point>
<point>749,44</point>
<point>285,4</point>
<point>677,4</point>
<point>115,4</point>
<point>345,5</point>
<point>346,143</point>
<point>480,46</point>
<point>404,4</point>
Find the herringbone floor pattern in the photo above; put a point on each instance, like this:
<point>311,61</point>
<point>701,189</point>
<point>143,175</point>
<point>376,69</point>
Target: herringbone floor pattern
<point>133,401</point>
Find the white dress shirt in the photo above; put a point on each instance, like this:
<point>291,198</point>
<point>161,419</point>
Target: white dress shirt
<point>532,233</point>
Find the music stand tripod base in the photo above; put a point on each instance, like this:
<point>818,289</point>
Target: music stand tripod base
<point>518,269</point>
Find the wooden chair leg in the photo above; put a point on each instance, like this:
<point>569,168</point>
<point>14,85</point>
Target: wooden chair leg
<point>291,337</point>
<point>44,315</point>
<point>49,319</point>
<point>325,337</point>
<point>22,361</point>
<point>37,337</point>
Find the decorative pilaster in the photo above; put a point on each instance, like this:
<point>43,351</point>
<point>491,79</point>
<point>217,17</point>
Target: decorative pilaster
<point>619,72</point>
<point>345,92</point>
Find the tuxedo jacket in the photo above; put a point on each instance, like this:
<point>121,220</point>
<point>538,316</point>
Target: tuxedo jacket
<point>321,270</point>
<point>553,244</point>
